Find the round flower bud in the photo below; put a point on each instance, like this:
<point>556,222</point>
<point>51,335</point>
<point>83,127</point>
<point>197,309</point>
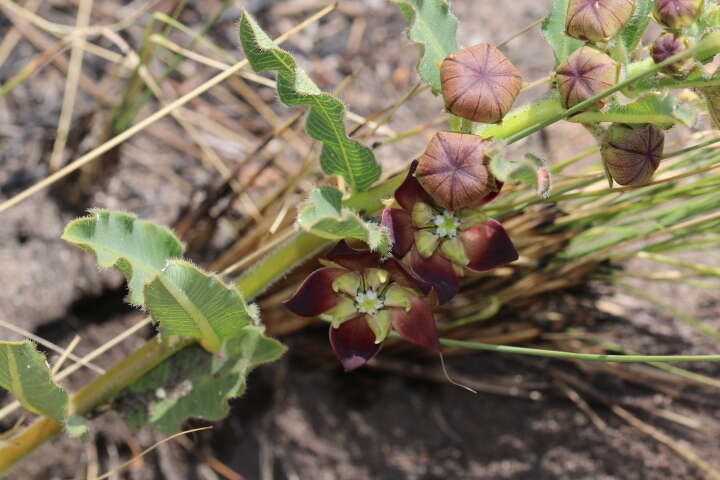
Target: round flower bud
<point>454,171</point>
<point>677,14</point>
<point>668,45</point>
<point>584,74</point>
<point>597,20</point>
<point>631,154</point>
<point>479,83</point>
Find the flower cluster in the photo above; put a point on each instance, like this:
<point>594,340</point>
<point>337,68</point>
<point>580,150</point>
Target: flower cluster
<point>437,232</point>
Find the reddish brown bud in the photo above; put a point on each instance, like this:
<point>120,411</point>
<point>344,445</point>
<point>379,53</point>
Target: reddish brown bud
<point>597,20</point>
<point>677,14</point>
<point>632,154</point>
<point>479,83</point>
<point>668,45</point>
<point>586,73</point>
<point>454,171</point>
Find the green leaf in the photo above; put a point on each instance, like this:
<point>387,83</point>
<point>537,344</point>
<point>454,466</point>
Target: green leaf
<point>24,372</point>
<point>326,120</point>
<point>554,30</point>
<point>140,249</point>
<point>633,32</point>
<point>434,28</point>
<point>657,108</point>
<point>530,170</point>
<point>194,383</point>
<point>189,302</point>
<point>324,215</point>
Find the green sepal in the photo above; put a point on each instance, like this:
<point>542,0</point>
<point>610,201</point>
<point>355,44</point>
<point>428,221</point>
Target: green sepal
<point>398,297</point>
<point>422,215</point>
<point>342,312</point>
<point>348,283</point>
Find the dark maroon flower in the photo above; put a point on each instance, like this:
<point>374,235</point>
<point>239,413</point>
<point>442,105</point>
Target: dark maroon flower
<point>443,242</point>
<point>365,297</point>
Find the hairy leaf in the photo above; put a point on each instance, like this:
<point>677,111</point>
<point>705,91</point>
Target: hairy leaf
<point>324,215</point>
<point>189,302</point>
<point>194,383</point>
<point>530,170</point>
<point>140,249</point>
<point>24,372</point>
<point>326,120</point>
<point>433,27</point>
<point>657,108</point>
<point>554,30</point>
<point>633,32</point>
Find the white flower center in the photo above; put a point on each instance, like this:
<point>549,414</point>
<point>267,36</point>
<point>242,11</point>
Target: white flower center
<point>446,225</point>
<point>369,302</point>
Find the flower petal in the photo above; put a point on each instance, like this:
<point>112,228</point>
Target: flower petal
<point>315,296</point>
<point>437,272</point>
<point>417,325</point>
<point>355,260</point>
<point>400,275</point>
<point>354,343</point>
<point>410,191</point>
<point>488,246</point>
<point>401,229</point>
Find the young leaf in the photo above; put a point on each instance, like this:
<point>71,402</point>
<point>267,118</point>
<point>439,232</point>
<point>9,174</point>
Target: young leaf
<point>554,30</point>
<point>186,301</point>
<point>194,383</point>
<point>633,32</point>
<point>25,373</point>
<point>326,120</point>
<point>324,215</point>
<point>433,27</point>
<point>140,249</point>
<point>531,170</point>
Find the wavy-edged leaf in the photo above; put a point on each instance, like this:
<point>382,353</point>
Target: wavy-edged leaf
<point>324,215</point>
<point>326,120</point>
<point>195,383</point>
<point>433,27</point>
<point>186,301</point>
<point>657,108</point>
<point>633,32</point>
<point>24,372</point>
<point>140,249</point>
<point>554,30</point>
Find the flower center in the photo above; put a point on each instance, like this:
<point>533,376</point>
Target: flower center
<point>369,302</point>
<point>446,225</point>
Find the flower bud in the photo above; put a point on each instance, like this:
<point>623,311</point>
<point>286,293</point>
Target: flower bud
<point>631,154</point>
<point>454,171</point>
<point>597,20</point>
<point>677,14</point>
<point>479,83</point>
<point>584,74</point>
<point>668,45</point>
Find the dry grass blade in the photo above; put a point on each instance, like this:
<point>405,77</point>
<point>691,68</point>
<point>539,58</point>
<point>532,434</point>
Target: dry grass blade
<point>120,138</point>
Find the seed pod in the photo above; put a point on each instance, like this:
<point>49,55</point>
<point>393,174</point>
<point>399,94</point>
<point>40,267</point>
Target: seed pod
<point>597,20</point>
<point>454,171</point>
<point>479,83</point>
<point>632,154</point>
<point>668,45</point>
<point>586,73</point>
<point>677,14</point>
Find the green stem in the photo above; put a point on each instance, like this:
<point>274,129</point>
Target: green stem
<point>577,356</point>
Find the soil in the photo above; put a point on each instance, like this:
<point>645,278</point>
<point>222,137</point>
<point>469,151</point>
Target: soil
<point>302,418</point>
